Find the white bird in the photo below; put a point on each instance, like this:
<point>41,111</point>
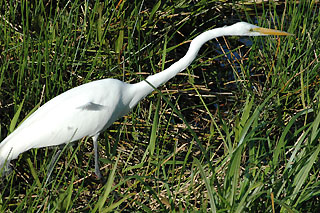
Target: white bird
<point>89,109</point>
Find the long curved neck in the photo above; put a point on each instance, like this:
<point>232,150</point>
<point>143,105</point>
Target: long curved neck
<point>143,88</point>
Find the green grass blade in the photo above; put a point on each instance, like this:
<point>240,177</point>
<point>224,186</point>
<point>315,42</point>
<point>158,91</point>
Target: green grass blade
<point>115,205</point>
<point>154,129</point>
<point>34,173</point>
<point>107,188</point>
<point>15,118</point>
<point>207,184</point>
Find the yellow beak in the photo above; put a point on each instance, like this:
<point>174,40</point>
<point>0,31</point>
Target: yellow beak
<point>266,31</point>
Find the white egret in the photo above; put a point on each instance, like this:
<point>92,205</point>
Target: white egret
<point>89,109</point>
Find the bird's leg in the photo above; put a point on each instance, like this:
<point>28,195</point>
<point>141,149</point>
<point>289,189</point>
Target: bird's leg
<point>96,156</point>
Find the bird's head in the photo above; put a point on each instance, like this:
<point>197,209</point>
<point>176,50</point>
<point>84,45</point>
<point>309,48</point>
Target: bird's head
<point>246,29</point>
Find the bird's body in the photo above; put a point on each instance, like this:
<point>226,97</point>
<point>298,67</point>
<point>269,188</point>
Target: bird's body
<point>89,109</point>
<point>85,111</point>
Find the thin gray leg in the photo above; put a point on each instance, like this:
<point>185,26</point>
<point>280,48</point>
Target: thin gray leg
<point>96,156</point>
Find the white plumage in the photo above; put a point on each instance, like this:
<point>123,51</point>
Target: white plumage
<point>89,109</point>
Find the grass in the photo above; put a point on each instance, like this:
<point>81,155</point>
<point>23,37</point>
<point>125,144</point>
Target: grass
<point>238,131</point>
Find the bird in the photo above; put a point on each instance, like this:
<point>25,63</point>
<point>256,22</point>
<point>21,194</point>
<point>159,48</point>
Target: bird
<point>89,109</point>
